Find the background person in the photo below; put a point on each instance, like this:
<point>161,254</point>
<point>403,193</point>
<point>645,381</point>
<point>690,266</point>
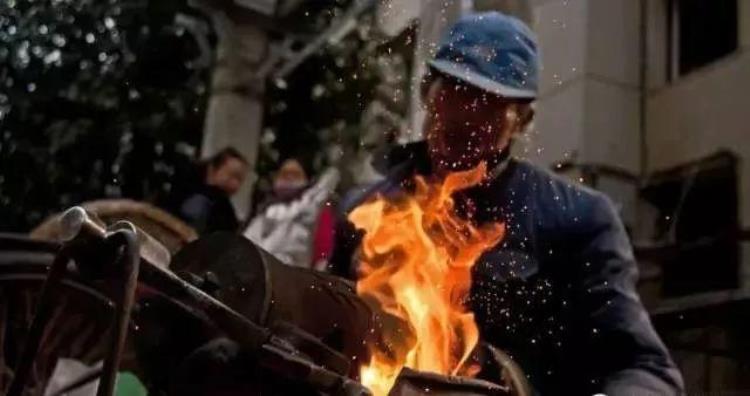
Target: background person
<point>207,206</point>
<point>296,223</point>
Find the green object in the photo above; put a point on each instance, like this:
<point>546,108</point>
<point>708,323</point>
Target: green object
<point>129,385</point>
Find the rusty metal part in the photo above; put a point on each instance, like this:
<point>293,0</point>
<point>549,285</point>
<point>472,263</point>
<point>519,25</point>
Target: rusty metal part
<point>268,292</point>
<point>500,368</point>
<point>74,329</point>
<point>274,352</point>
<point>150,248</point>
<point>170,231</point>
<point>413,383</point>
<point>125,242</point>
<point>312,347</point>
<point>129,262</point>
<point>77,223</point>
<point>36,330</point>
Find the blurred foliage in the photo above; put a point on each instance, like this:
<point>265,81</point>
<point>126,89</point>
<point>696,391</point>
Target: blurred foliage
<point>106,99</point>
<point>98,98</point>
<point>315,112</point>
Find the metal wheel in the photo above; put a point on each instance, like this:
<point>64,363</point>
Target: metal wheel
<point>23,269</point>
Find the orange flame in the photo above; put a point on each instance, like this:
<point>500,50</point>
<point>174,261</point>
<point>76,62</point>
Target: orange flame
<point>416,260</point>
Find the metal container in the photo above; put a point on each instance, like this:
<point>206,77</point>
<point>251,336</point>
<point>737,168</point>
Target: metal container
<point>272,294</point>
<point>413,383</point>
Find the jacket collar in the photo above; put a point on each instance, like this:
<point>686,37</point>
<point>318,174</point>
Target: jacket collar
<point>414,158</point>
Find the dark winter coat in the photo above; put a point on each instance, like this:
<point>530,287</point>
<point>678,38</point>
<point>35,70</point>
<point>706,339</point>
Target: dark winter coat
<point>208,209</point>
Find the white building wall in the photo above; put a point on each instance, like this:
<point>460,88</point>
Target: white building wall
<point>557,133</point>
<point>589,105</point>
<point>590,57</point>
<point>612,131</point>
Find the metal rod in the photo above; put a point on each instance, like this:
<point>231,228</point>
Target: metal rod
<point>274,353</point>
<point>129,259</point>
<point>39,323</point>
<point>237,326</point>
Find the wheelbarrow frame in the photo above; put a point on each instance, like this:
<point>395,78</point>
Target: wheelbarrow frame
<point>117,253</point>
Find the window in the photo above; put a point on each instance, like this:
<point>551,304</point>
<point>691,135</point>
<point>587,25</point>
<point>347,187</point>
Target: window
<point>701,32</point>
<point>698,206</point>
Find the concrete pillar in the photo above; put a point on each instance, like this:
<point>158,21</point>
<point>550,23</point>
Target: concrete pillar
<point>393,16</point>
<point>235,109</point>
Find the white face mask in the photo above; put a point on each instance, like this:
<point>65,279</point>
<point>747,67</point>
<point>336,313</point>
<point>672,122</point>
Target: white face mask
<point>287,188</point>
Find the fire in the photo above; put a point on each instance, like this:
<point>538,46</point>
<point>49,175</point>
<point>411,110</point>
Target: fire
<point>416,259</point>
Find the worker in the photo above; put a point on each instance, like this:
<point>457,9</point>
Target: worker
<point>558,292</point>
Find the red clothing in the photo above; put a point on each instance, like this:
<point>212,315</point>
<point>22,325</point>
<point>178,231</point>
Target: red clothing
<point>324,236</point>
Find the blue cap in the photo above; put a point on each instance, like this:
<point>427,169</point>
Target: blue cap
<point>492,51</point>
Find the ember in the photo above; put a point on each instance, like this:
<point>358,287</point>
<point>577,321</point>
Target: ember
<point>417,255</point>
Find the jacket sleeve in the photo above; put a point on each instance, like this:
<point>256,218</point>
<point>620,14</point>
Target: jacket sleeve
<point>256,229</point>
<point>196,210</point>
<point>346,240</point>
<point>626,355</point>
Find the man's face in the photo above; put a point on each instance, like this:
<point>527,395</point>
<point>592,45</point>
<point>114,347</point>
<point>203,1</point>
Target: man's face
<point>464,125</point>
<point>228,176</point>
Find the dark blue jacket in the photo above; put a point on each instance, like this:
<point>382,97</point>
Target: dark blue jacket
<point>208,209</point>
<point>558,293</point>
